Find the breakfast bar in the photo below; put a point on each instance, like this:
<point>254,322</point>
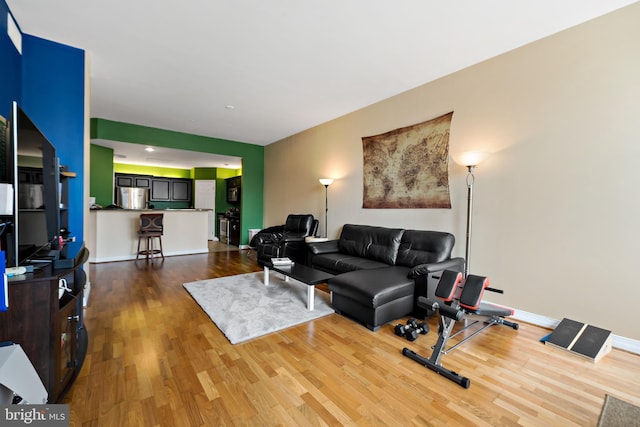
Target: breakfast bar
<point>112,234</point>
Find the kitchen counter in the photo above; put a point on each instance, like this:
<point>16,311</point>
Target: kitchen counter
<point>112,234</point>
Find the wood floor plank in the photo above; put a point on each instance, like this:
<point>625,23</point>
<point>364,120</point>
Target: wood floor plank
<point>156,359</point>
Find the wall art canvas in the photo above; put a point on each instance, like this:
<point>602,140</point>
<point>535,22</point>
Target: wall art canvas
<point>408,167</point>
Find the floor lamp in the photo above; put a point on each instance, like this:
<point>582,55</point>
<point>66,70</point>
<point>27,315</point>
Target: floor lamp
<point>470,159</point>
<point>326,182</point>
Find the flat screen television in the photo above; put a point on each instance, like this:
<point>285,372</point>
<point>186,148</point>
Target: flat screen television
<point>31,160</point>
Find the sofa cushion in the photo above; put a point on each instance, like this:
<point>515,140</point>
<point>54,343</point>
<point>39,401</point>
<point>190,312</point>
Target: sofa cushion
<point>341,263</point>
<point>374,243</point>
<point>374,287</point>
<point>424,247</point>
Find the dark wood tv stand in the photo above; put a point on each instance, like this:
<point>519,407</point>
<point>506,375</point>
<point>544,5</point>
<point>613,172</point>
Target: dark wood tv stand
<point>49,330</point>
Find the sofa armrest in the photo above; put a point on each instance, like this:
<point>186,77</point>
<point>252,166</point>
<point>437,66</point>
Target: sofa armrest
<point>456,264</point>
<point>292,245</point>
<point>261,239</point>
<point>292,239</point>
<point>317,248</point>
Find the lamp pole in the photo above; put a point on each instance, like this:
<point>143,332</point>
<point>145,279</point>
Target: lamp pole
<point>470,181</point>
<point>326,182</point>
<point>326,209</point>
<point>470,160</point>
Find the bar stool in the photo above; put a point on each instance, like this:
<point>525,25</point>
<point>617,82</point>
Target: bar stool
<point>150,228</point>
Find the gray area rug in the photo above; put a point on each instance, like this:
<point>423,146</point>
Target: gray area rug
<point>618,413</point>
<point>243,308</point>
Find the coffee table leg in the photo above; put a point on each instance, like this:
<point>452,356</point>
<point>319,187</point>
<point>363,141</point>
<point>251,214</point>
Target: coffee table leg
<point>310,297</point>
<point>266,276</point>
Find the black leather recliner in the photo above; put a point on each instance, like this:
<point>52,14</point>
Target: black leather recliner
<point>266,235</point>
<point>290,243</point>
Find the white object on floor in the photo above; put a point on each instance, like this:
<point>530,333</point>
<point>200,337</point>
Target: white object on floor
<point>18,375</point>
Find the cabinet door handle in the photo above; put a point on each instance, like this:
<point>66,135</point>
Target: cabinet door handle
<point>72,318</point>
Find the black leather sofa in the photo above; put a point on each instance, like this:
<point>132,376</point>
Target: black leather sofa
<point>381,272</point>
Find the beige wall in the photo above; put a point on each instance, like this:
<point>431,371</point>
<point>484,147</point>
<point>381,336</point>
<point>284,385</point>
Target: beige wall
<point>556,205</point>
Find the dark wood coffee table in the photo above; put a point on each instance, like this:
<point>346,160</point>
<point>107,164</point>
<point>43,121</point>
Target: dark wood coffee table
<point>307,275</point>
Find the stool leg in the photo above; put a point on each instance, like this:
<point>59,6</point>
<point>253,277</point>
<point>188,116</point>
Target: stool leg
<point>138,252</point>
<point>161,251</point>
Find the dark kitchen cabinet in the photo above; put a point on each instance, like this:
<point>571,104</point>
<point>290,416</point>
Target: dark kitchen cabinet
<point>234,231</point>
<point>234,186</point>
<point>140,181</point>
<point>181,190</point>
<point>170,190</point>
<point>124,181</point>
<point>160,189</point>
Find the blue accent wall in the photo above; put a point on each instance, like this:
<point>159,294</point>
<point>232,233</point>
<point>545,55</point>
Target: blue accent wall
<point>53,97</point>
<point>10,73</point>
<point>47,80</point>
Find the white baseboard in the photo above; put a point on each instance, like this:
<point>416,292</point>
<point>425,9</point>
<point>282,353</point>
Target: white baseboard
<point>621,343</point>
<point>133,257</point>
<point>535,319</point>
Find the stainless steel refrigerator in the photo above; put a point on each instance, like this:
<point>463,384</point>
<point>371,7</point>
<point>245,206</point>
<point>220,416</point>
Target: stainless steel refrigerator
<point>133,197</point>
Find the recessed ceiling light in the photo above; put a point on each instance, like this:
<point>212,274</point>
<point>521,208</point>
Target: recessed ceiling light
<point>229,107</point>
<point>149,149</point>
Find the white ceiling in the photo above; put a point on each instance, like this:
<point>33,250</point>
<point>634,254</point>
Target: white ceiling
<point>283,65</point>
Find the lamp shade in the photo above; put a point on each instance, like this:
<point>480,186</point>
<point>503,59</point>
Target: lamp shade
<point>326,181</point>
<point>471,158</point>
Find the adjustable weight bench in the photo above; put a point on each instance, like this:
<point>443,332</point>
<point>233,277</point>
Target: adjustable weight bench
<point>458,298</point>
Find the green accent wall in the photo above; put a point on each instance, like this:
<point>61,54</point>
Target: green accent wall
<point>151,170</point>
<point>252,204</point>
<point>204,173</point>
<point>101,174</point>
<point>228,173</point>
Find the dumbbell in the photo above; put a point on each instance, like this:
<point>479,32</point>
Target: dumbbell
<point>402,330</point>
<point>418,329</point>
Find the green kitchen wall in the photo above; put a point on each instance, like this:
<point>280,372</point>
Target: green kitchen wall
<point>204,173</point>
<point>151,170</point>
<point>101,174</point>
<point>252,164</point>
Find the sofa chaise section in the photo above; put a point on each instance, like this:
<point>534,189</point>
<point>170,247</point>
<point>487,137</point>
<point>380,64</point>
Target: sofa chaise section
<point>380,272</point>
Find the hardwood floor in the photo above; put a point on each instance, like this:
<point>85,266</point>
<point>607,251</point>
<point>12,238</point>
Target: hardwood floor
<point>156,359</point>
